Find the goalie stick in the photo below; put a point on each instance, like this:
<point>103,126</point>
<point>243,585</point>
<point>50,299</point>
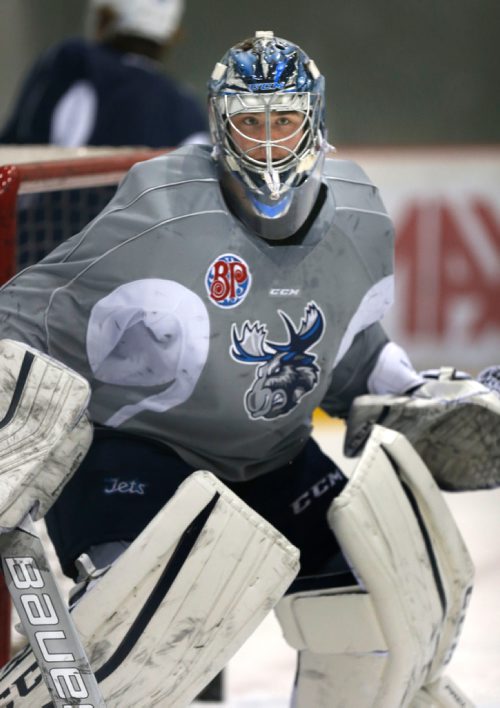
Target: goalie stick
<point>46,620</point>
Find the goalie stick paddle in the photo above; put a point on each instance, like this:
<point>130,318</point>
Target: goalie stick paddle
<point>46,620</point>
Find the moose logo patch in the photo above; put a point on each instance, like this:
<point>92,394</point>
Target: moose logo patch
<point>286,371</point>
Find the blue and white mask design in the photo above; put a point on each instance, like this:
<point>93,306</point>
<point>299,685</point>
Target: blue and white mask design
<point>270,179</point>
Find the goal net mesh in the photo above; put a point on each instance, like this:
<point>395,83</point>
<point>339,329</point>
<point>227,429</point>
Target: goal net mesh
<point>47,218</point>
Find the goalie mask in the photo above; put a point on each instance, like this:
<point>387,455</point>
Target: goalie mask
<point>266,113</point>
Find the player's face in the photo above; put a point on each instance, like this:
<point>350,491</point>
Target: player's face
<point>250,132</point>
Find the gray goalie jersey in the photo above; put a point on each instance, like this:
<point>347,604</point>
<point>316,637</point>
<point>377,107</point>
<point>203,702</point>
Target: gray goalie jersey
<point>197,333</point>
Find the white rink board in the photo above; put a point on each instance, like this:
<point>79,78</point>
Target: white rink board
<point>445,205</point>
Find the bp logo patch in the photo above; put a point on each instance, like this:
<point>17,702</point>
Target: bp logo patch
<point>228,280</point>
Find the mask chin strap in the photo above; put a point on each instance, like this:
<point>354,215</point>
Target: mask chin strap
<point>272,180</point>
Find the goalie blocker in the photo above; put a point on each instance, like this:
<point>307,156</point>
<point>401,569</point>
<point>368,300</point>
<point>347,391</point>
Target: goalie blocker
<point>44,434</point>
<point>44,430</point>
<point>176,605</point>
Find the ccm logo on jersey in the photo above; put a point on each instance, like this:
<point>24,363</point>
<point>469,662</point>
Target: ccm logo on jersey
<point>40,613</point>
<point>228,280</point>
<point>285,292</point>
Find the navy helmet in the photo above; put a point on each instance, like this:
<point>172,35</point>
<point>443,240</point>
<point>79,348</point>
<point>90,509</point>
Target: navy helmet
<point>270,178</point>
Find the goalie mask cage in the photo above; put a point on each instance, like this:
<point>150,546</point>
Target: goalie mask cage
<point>47,194</point>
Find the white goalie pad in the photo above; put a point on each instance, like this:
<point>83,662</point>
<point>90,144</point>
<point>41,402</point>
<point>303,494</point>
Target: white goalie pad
<point>177,604</point>
<point>44,430</point>
<point>379,643</point>
<point>451,422</point>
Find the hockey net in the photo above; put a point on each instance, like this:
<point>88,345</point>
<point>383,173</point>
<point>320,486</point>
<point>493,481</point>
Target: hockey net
<point>47,194</point>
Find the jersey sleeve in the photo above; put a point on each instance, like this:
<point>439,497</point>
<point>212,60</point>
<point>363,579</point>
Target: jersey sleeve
<point>26,298</point>
<point>350,376</point>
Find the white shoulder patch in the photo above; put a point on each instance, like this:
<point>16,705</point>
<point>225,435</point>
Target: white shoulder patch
<point>393,373</point>
<point>147,333</point>
<point>74,116</point>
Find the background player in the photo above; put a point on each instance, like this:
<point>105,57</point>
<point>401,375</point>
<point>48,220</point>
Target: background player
<point>112,89</point>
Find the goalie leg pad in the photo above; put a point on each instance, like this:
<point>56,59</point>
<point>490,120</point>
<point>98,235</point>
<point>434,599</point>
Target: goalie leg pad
<point>392,634</point>
<point>44,431</point>
<point>180,600</point>
<point>342,649</point>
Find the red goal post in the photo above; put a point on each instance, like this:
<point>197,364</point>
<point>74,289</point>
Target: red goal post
<point>46,195</point>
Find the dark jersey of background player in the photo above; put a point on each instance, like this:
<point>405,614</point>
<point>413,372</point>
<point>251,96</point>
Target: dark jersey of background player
<point>111,90</point>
